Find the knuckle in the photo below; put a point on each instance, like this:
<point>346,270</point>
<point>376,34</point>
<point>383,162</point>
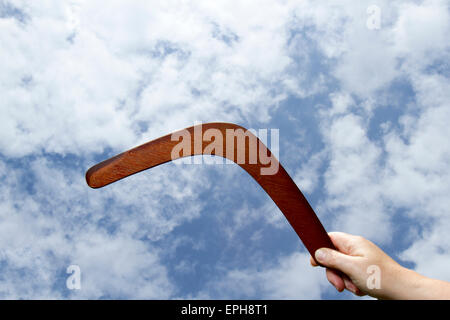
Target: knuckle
<point>354,243</point>
<point>331,258</point>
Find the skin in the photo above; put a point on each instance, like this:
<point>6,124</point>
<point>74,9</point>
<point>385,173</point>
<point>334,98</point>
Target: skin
<point>347,268</point>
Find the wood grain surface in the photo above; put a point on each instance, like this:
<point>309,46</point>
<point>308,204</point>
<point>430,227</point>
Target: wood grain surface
<point>279,186</point>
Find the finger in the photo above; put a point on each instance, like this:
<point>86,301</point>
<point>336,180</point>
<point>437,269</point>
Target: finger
<point>313,262</point>
<point>335,279</point>
<point>359,293</point>
<point>335,260</point>
<point>350,286</point>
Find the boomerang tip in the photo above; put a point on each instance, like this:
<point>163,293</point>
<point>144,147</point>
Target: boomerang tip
<point>97,176</point>
<point>91,180</point>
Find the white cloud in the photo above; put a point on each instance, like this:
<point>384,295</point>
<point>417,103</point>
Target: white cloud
<point>307,177</point>
<point>351,179</point>
<point>59,223</point>
<point>368,179</point>
<point>421,31</point>
<point>118,266</point>
<point>83,77</point>
<point>411,36</point>
<point>290,277</point>
<point>431,253</point>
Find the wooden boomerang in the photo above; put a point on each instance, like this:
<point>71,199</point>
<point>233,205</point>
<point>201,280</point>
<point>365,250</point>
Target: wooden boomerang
<point>279,186</point>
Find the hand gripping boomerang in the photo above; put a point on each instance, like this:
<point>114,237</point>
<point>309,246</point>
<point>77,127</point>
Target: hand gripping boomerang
<point>279,185</point>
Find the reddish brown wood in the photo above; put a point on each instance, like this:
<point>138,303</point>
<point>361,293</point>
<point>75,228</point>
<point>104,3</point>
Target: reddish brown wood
<point>280,187</point>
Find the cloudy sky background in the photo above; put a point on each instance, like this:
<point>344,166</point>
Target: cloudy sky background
<point>364,124</point>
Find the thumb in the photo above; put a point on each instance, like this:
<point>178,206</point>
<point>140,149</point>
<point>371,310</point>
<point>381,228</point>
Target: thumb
<point>334,259</point>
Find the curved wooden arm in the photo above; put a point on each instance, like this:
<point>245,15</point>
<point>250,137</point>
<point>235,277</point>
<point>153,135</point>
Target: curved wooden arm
<point>279,185</point>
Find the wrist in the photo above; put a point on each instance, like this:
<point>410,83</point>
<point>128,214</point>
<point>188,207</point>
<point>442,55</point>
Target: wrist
<point>397,283</point>
<point>409,285</point>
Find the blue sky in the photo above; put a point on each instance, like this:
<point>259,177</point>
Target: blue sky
<point>362,114</point>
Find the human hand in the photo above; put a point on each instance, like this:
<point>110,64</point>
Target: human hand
<point>348,268</point>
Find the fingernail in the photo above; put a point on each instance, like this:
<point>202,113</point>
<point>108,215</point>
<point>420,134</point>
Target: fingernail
<point>320,255</point>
